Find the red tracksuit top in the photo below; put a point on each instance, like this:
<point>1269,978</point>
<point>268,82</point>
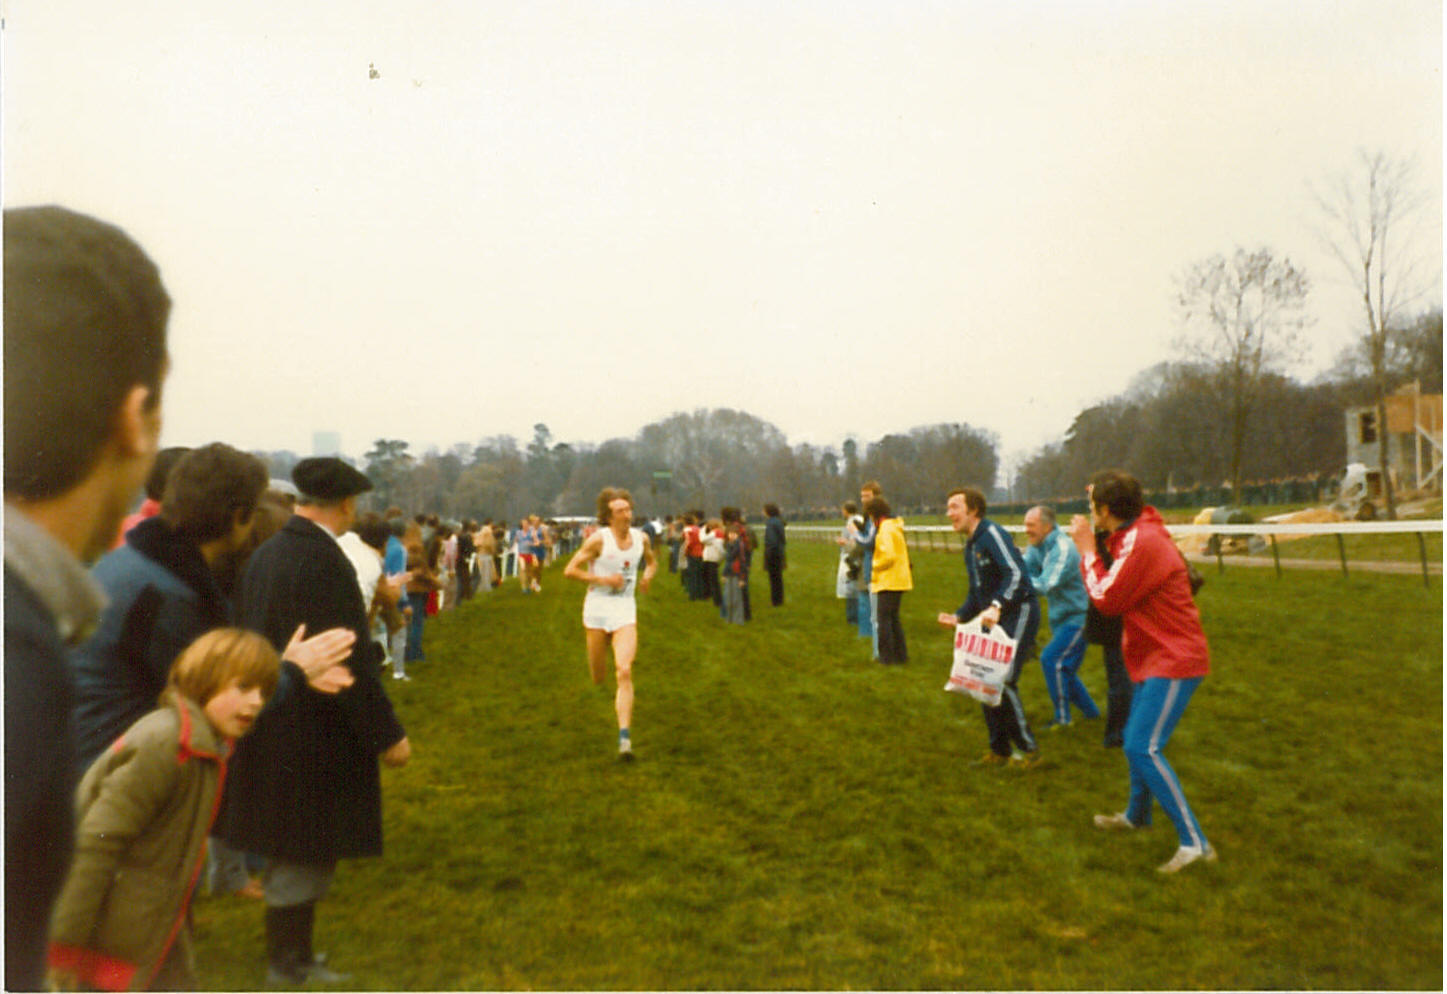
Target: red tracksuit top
<point>1147,586</point>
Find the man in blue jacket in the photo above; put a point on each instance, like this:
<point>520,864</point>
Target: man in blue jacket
<point>1054,565</point>
<point>162,592</point>
<point>1000,594</point>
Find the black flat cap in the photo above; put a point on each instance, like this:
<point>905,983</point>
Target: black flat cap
<point>329,478</point>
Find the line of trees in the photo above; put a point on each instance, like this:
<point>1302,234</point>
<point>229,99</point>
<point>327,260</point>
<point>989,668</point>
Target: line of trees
<point>1173,427</point>
<point>1224,412</point>
<point>703,458</point>
<point>1176,426</point>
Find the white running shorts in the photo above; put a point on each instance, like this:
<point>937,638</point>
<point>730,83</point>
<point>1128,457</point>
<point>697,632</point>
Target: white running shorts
<point>610,615</point>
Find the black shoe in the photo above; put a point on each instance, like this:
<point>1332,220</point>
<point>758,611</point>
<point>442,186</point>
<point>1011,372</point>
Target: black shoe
<point>283,959</point>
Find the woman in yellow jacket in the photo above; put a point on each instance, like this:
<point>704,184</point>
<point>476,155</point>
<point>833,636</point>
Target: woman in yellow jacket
<point>890,579</point>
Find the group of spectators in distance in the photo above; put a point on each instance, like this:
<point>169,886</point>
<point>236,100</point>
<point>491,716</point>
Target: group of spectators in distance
<point>713,558</point>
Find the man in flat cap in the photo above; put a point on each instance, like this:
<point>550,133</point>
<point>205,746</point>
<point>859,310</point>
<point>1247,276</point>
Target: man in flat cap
<point>305,786</point>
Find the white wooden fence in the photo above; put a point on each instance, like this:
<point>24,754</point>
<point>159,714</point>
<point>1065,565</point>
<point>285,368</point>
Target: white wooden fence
<point>945,538</point>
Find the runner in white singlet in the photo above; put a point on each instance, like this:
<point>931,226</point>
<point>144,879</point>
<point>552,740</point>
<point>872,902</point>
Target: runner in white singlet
<point>608,564</point>
<point>605,606</point>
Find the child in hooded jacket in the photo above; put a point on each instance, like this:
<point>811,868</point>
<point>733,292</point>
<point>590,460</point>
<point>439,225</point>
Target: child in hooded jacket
<point>144,810</point>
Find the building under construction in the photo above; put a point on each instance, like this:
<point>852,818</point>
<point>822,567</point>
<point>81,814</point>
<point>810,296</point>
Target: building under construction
<point>1413,438</point>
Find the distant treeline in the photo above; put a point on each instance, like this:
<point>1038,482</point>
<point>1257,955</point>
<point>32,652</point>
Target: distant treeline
<point>1169,429</point>
<point>1172,426</point>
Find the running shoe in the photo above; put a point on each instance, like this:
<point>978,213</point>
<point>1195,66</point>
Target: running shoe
<point>1185,856</point>
<point>1114,823</point>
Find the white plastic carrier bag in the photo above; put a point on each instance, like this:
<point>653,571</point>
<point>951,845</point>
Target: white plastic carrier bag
<point>982,661</point>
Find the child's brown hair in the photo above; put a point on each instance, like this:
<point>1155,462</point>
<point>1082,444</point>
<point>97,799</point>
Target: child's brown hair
<point>209,664</point>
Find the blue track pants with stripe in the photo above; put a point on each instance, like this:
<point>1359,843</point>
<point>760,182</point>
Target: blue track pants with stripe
<point>1155,709</point>
<point>1060,661</point>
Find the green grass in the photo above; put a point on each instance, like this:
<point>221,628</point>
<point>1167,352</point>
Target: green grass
<point>802,818</point>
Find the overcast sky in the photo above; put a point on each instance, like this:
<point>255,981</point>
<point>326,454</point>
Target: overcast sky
<point>844,218</point>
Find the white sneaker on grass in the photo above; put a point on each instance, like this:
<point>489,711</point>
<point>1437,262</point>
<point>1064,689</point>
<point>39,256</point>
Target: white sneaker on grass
<point>1185,856</point>
<point>625,749</point>
<point>1117,822</point>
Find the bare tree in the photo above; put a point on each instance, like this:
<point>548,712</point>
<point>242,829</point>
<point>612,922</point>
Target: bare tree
<point>1242,316</point>
<point>1372,213</point>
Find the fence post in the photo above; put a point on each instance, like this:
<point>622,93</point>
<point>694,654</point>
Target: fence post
<point>1422,547</point>
<point>1276,555</point>
<point>1341,549</point>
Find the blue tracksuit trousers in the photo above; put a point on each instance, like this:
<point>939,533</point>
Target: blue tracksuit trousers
<point>1060,661</point>
<point>1155,709</point>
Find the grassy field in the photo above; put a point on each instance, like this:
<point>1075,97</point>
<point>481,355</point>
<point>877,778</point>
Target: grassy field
<point>802,818</point>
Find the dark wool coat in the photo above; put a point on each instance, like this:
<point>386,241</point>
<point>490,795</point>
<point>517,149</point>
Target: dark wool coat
<point>305,786</point>
<point>39,780</point>
<point>774,542</point>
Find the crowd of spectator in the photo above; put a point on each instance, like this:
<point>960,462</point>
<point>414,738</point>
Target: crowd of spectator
<point>263,622</point>
<point>713,558</point>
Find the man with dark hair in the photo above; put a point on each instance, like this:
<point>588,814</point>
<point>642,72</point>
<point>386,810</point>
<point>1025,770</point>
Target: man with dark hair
<point>774,563</point>
<point>1166,653</point>
<point>305,787</point>
<point>466,548</point>
<point>162,591</point>
<point>1000,594</point>
<point>166,461</point>
<point>1117,492</point>
<point>85,355</point>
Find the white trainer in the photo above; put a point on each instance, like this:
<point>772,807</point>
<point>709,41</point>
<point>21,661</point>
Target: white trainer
<point>1185,856</point>
<point>1117,822</point>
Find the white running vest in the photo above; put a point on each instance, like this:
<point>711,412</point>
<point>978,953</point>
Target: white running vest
<point>615,560</point>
